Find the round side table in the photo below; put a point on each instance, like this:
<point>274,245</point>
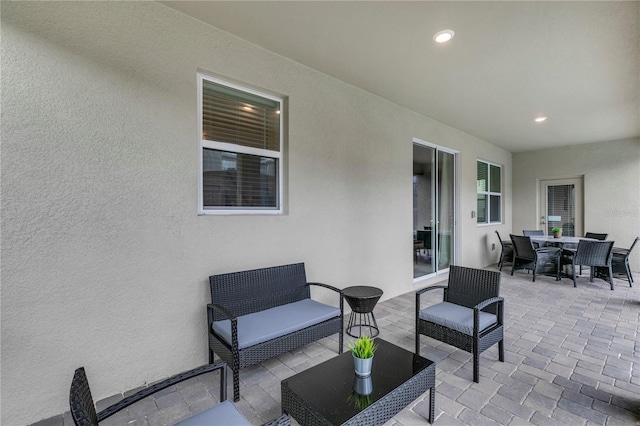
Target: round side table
<point>362,300</point>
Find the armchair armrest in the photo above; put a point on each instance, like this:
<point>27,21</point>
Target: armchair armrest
<point>337,290</point>
<point>480,306</point>
<point>118,406</point>
<point>420,292</point>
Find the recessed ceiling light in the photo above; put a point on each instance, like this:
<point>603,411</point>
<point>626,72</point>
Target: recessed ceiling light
<point>539,119</point>
<point>443,36</point>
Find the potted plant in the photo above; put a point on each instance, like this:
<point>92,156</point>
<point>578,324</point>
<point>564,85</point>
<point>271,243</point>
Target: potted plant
<point>362,350</point>
<point>557,232</point>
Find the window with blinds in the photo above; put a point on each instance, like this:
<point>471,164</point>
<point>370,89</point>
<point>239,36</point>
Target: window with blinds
<point>241,149</point>
<point>489,187</point>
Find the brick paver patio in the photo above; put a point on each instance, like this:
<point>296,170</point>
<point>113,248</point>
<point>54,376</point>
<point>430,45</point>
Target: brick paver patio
<point>572,357</point>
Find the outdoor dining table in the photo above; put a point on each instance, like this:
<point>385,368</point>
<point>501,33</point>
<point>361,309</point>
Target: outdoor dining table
<point>544,239</point>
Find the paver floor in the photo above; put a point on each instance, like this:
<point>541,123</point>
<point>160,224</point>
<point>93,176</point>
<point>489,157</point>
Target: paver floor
<point>572,357</point>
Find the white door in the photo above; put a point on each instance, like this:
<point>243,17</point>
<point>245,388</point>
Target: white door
<point>561,205</point>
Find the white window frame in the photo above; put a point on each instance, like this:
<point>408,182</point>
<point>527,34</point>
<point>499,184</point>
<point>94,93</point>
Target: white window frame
<point>230,147</point>
<point>489,193</point>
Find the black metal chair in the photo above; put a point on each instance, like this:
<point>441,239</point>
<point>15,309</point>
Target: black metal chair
<point>620,262</point>
<point>84,413</point>
<point>470,317</point>
<point>595,254</point>
<point>506,253</point>
<point>544,260</point>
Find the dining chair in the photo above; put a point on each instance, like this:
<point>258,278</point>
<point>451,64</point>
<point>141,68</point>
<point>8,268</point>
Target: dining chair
<point>83,409</point>
<point>595,254</point>
<point>594,236</point>
<point>542,259</point>
<point>533,233</point>
<point>506,253</point>
<point>620,261</point>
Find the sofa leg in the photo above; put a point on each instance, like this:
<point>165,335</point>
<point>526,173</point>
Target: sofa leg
<point>236,383</point>
<point>211,356</point>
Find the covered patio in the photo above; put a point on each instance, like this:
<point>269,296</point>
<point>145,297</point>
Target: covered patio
<point>572,358</point>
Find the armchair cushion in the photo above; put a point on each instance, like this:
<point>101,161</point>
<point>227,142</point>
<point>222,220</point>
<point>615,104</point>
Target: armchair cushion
<point>270,323</point>
<point>223,414</point>
<point>456,317</point>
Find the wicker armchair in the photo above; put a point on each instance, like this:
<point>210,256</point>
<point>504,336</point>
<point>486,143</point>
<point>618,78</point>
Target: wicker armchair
<point>84,412</point>
<point>595,254</point>
<point>544,260</point>
<point>506,253</point>
<point>471,316</point>
<point>620,262</point>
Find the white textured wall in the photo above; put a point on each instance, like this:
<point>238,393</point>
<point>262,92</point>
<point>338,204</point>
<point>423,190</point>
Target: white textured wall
<point>104,260</point>
<point>611,173</point>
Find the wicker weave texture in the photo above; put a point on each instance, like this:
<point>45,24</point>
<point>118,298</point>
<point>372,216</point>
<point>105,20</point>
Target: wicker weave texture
<point>544,260</point>
<point>377,413</point>
<point>241,293</point>
<point>475,289</point>
<point>83,408</point>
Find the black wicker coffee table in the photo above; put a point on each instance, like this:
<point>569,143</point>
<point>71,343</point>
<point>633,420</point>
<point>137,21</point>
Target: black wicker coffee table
<point>362,300</point>
<point>324,394</point>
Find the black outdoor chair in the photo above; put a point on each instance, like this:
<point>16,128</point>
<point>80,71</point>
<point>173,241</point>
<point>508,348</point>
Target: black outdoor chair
<point>544,260</point>
<point>595,254</point>
<point>506,253</point>
<point>225,413</point>
<point>471,316</point>
<point>533,233</point>
<point>620,261</point>
<point>593,235</point>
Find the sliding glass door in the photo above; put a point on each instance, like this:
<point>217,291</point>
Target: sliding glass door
<point>433,209</point>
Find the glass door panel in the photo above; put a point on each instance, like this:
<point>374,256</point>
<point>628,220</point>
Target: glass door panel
<point>446,203</point>
<point>424,200</point>
<point>433,210</point>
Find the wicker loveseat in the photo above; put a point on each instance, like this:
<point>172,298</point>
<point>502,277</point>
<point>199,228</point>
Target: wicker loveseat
<point>261,313</point>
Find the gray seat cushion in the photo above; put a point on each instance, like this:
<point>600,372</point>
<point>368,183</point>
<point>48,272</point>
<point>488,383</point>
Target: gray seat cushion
<point>456,317</point>
<point>265,325</point>
<point>223,414</point>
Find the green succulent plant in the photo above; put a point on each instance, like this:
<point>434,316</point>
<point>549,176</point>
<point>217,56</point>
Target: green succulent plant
<point>556,229</point>
<point>363,347</point>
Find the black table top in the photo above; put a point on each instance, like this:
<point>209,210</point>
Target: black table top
<point>362,292</point>
<point>327,388</point>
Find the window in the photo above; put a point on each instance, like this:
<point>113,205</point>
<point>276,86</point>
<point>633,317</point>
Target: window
<point>240,149</point>
<point>489,193</point>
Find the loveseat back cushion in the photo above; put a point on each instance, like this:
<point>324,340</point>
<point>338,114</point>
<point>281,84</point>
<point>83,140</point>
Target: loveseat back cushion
<point>223,414</point>
<point>265,325</point>
<point>258,289</point>
<point>456,317</point>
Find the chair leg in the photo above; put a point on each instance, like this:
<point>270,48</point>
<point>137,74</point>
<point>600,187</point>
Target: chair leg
<point>211,356</point>
<point>610,276</point>
<point>573,273</point>
<point>476,362</point>
<point>501,350</point>
<point>417,343</point>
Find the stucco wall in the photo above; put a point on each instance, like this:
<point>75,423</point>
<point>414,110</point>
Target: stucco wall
<point>104,259</point>
<point>611,172</point>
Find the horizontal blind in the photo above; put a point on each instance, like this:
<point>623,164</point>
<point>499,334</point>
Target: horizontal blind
<point>233,116</point>
<point>233,180</point>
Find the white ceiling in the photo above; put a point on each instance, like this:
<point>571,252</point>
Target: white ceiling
<point>576,62</point>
